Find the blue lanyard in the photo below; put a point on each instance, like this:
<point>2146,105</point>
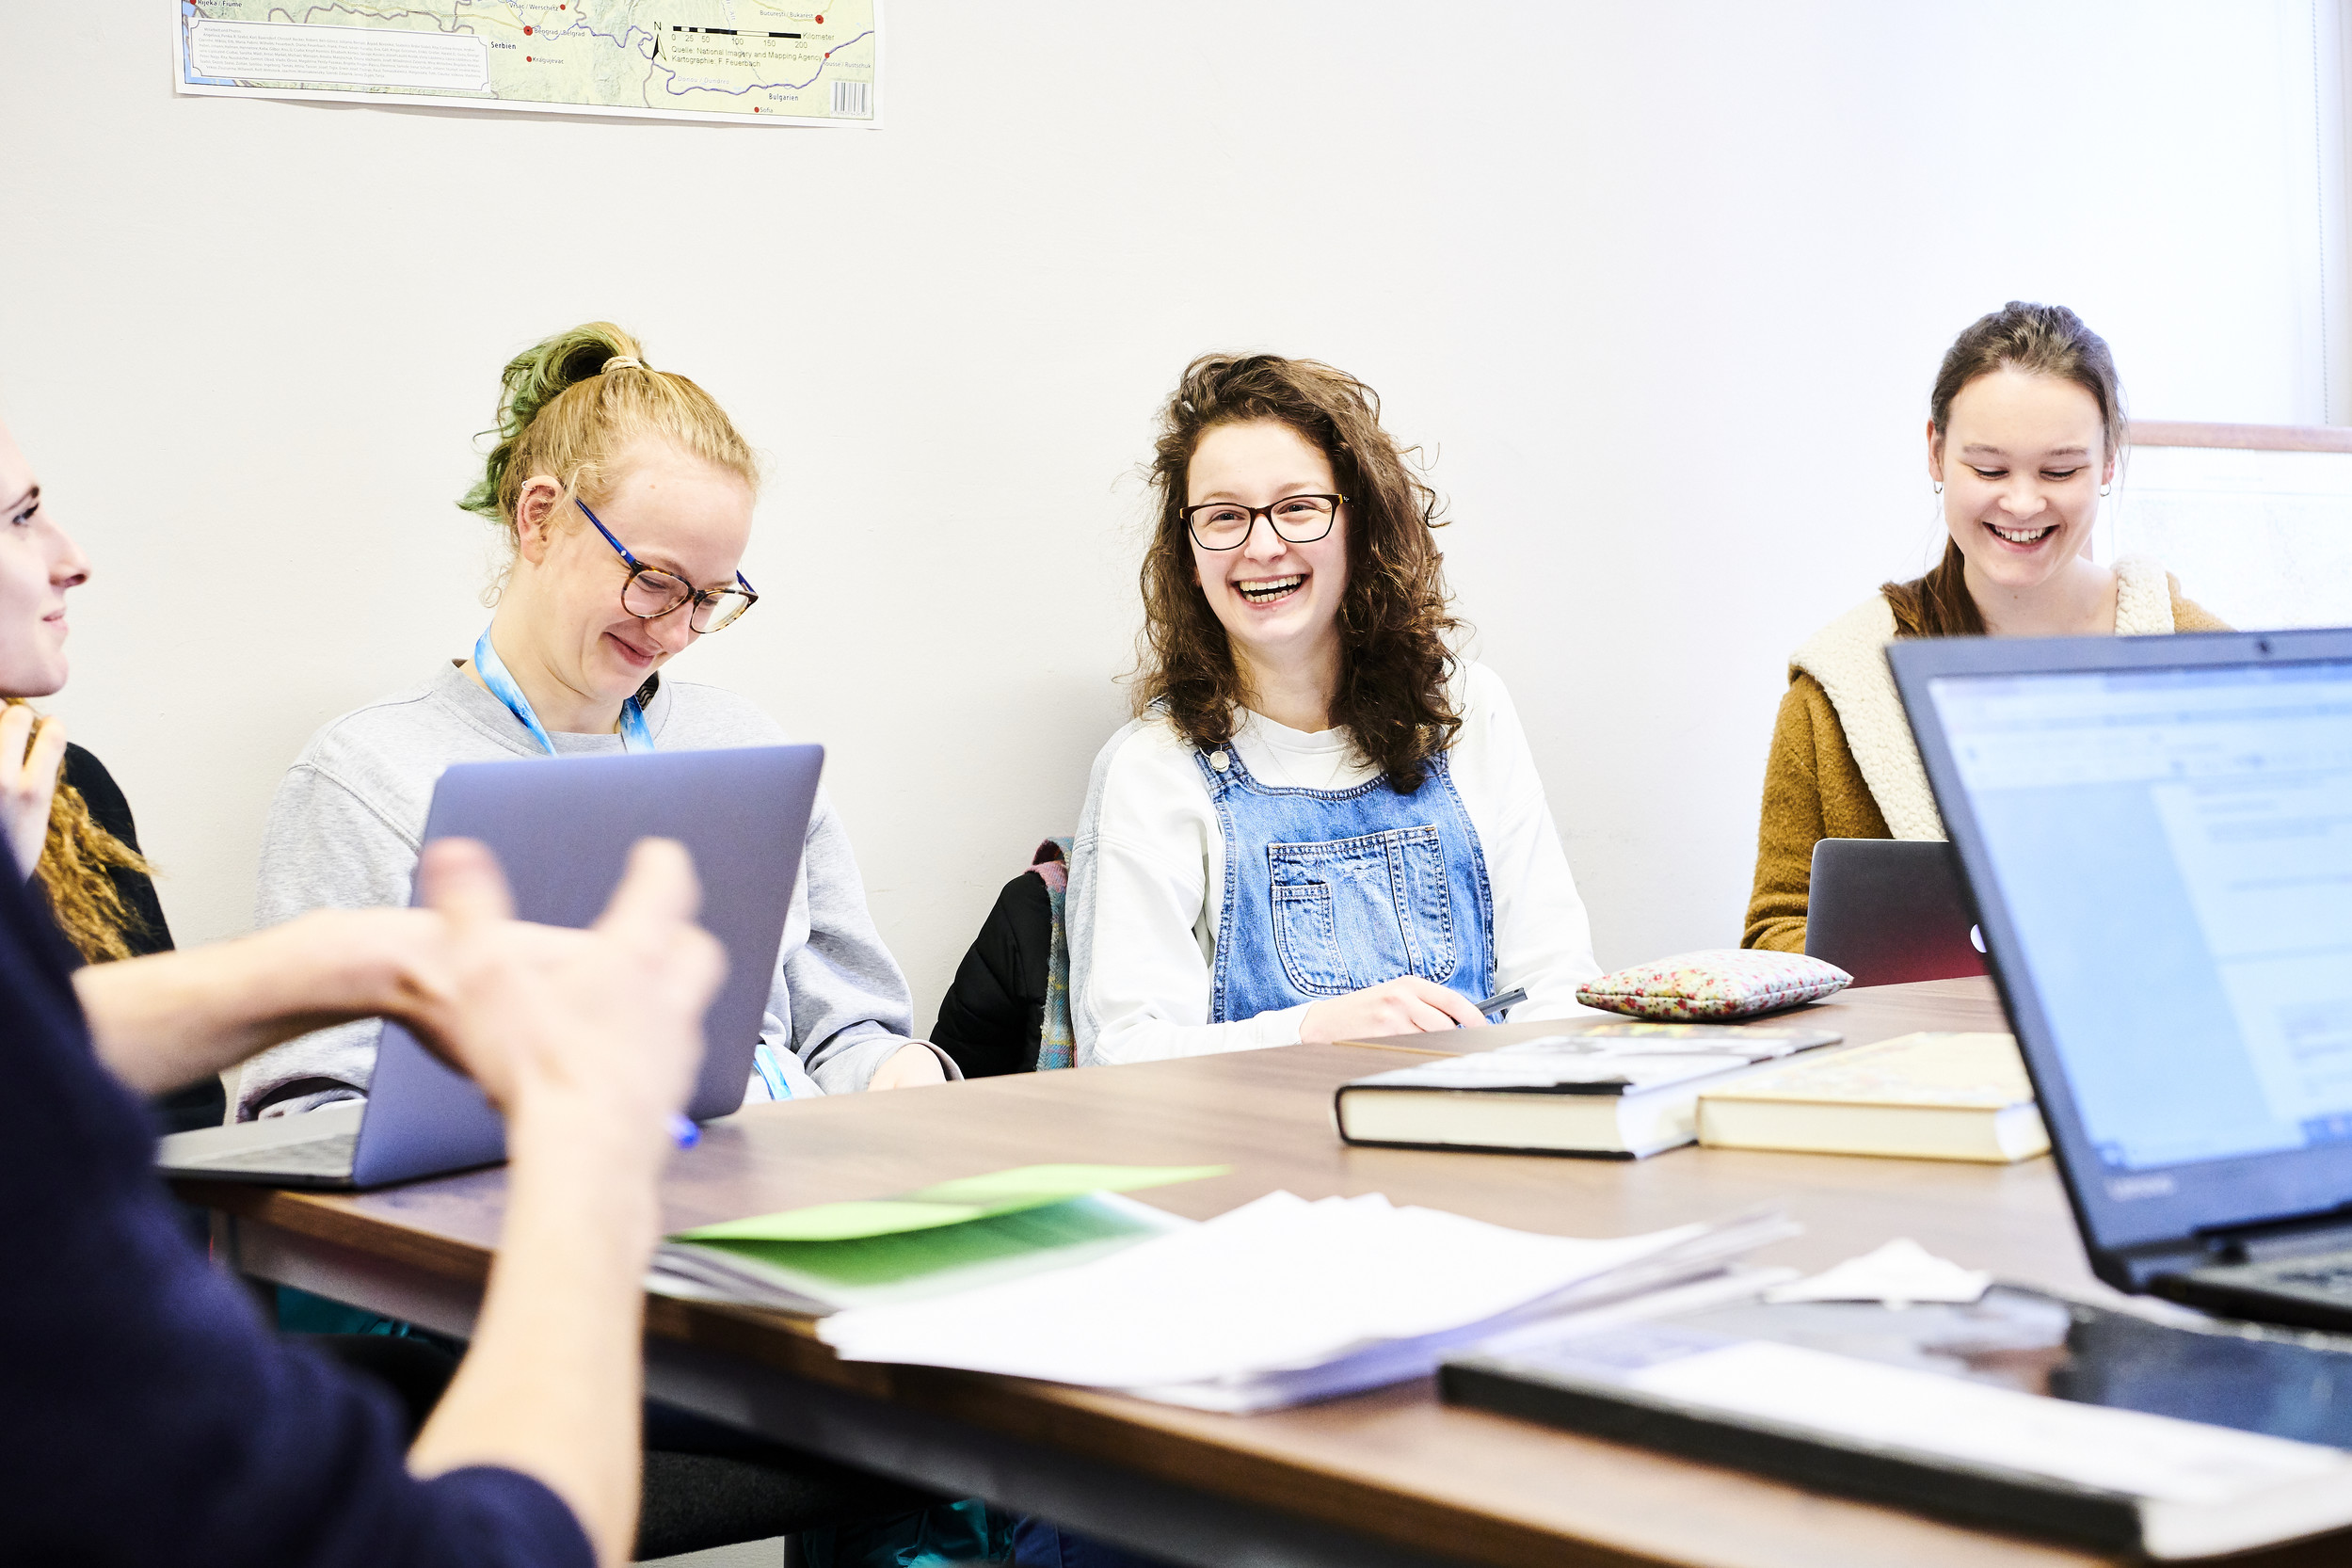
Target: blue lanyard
<point>635,736</point>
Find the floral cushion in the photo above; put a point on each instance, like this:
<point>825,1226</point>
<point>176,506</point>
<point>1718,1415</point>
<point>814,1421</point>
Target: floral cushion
<point>1719,983</point>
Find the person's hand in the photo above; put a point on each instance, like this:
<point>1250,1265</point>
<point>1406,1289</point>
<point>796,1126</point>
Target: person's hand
<point>907,1067</point>
<point>612,1011</point>
<point>1406,1005</point>
<point>588,1040</point>
<point>605,1023</point>
<point>29,759</point>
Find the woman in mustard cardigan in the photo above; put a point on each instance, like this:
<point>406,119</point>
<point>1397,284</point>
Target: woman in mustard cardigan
<point>2025,426</point>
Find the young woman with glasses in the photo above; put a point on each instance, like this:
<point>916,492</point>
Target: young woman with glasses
<point>625,494</point>
<point>1322,824</point>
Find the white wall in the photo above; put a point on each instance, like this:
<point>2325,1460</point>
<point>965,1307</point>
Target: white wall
<point>1662,287</point>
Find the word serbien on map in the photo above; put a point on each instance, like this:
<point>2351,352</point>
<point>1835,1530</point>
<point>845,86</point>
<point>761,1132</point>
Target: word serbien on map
<point>734,60</point>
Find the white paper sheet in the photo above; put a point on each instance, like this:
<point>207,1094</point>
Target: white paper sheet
<point>1277,1284</point>
<point>1897,1274</point>
<point>1398,1360</point>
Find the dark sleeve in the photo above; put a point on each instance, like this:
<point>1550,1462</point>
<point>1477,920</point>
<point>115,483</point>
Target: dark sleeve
<point>204,1103</point>
<point>112,812</point>
<point>993,1014</point>
<point>146,1415</point>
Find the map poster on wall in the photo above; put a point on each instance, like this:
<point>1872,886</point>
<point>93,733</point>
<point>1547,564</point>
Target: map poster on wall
<point>740,61</point>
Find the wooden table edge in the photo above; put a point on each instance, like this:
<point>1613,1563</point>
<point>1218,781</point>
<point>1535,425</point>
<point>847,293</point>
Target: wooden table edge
<point>1079,1423</point>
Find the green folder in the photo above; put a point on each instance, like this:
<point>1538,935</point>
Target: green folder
<point>817,1277</point>
<point>950,1203</point>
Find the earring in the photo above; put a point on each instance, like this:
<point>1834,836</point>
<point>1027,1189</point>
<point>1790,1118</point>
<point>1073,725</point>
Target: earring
<point>2105,489</point>
<point>1938,487</point>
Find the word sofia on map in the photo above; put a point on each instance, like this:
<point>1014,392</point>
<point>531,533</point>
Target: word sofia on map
<point>741,61</point>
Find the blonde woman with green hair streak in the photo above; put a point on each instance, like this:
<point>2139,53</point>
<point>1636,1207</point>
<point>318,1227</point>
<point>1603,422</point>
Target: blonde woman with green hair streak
<point>625,494</point>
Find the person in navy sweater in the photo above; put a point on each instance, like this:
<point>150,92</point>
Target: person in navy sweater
<point>139,1371</point>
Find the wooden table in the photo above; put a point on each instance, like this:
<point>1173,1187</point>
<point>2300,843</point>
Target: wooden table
<point>1393,1477</point>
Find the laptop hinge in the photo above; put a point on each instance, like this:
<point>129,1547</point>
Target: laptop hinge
<point>2259,1244</point>
<point>2145,1264</point>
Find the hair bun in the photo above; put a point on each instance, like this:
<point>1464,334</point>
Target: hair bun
<point>536,378</point>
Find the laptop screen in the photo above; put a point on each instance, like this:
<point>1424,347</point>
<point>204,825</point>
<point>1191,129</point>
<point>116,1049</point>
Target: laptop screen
<point>2173,847</point>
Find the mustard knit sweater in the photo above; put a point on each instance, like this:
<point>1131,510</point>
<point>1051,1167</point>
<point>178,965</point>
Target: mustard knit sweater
<point>1842,764</point>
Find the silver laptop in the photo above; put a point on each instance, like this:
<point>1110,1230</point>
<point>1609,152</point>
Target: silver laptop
<point>562,827</point>
<point>1888,911</point>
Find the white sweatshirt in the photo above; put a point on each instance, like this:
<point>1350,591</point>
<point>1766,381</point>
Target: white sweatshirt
<point>348,824</point>
<point>1147,877</point>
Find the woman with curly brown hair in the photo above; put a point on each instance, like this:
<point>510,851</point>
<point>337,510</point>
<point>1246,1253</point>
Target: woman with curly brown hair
<point>1321,824</point>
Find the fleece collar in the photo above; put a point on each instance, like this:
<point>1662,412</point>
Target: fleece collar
<point>1847,657</point>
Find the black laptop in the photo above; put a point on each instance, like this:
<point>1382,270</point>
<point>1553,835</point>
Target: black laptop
<point>2157,836</point>
<point>1888,911</point>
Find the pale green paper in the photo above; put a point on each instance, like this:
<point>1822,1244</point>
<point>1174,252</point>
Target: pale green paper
<point>817,1277</point>
<point>950,1203</point>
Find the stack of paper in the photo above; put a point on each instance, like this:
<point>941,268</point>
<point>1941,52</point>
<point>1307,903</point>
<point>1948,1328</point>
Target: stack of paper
<point>943,1238</point>
<point>1284,1300</point>
<point>818,1277</point>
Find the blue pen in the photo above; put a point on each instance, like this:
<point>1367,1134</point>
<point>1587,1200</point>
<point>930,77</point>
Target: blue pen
<point>683,1130</point>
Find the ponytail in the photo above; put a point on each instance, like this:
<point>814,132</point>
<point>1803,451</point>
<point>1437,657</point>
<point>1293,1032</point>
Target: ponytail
<point>567,408</point>
<point>1938,605</point>
<point>532,380</point>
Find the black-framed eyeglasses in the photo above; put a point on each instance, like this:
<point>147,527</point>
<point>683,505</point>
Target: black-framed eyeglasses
<point>1297,518</point>
<point>651,593</point>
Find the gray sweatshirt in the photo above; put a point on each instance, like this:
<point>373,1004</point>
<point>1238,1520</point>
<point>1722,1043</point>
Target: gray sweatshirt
<point>347,825</point>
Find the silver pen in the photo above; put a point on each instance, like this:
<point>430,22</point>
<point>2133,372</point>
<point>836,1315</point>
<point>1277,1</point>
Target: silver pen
<point>1501,1000</point>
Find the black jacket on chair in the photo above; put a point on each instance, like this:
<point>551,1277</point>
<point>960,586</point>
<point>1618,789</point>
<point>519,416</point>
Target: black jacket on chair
<point>994,1014</point>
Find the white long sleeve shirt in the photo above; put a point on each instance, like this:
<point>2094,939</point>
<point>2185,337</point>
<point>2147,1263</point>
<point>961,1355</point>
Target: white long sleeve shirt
<point>1147,877</point>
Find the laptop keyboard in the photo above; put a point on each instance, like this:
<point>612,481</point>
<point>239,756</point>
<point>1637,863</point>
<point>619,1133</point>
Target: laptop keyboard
<point>327,1157</point>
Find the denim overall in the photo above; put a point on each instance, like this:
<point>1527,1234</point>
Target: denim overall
<point>1328,891</point>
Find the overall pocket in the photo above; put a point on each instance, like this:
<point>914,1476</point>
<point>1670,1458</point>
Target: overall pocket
<point>1355,912</point>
